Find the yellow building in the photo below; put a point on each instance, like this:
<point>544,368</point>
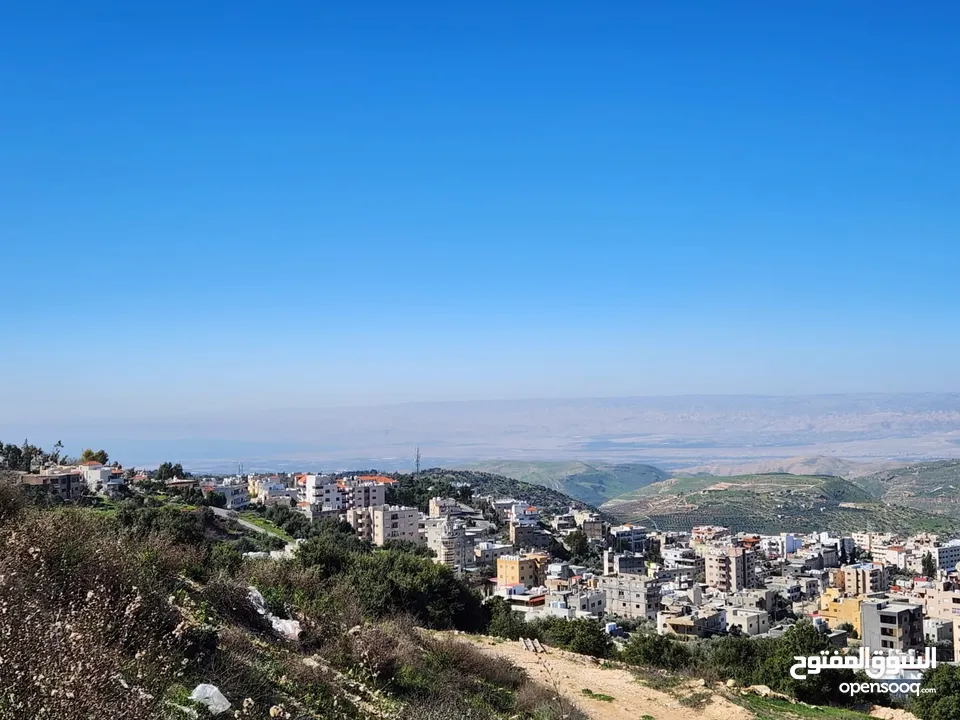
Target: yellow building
<point>529,569</point>
<point>837,609</point>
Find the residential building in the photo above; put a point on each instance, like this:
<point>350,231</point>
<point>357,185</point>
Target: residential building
<point>361,520</point>
<point>237,495</point>
<point>524,515</point>
<point>870,541</point>
<point>629,538</point>
<point>891,626</point>
<point>631,596</point>
<point>572,604</point>
<point>273,491</point>
<point>528,536</point>
<point>731,569</point>
<point>528,569</point>
<point>947,556</point>
<point>615,563</point>
<point>442,507</point>
<point>593,527</point>
<point>320,494</point>
<point>684,558</point>
<point>937,631</point>
<point>690,623</point>
<point>708,533</point>
<point>96,476</point>
<point>448,540</point>
<point>861,579</point>
<point>394,522</point>
<point>359,493</point>
<point>746,620</point>
<point>564,523</point>
<point>64,484</point>
<point>486,553</point>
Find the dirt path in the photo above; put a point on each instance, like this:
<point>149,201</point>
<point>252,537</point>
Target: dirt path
<point>632,700</point>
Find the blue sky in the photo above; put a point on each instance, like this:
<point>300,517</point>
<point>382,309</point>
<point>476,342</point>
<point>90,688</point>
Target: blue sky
<point>218,207</point>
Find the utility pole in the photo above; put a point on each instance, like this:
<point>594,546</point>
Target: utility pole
<point>418,460</point>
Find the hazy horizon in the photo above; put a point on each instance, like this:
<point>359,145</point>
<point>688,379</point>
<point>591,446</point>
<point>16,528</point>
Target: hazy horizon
<point>671,431</point>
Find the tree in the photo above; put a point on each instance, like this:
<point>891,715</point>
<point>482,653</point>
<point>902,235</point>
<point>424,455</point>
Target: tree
<point>849,628</point>
<point>505,622</point>
<point>929,565</point>
<point>99,456</point>
<point>578,543</point>
<point>409,546</point>
<point>165,472</point>
<point>216,499</point>
<point>226,557</point>
<point>558,550</point>
<point>656,651</point>
<point>943,703</point>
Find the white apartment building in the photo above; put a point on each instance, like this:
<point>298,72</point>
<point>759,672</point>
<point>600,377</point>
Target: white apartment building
<point>363,493</point>
<point>237,494</point>
<point>524,515</point>
<point>320,494</point>
<point>96,476</point>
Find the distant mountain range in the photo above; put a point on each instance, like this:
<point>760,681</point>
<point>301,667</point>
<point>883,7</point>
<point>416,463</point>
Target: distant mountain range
<point>816,465</point>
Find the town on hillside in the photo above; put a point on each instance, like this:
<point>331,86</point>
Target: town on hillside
<point>889,593</point>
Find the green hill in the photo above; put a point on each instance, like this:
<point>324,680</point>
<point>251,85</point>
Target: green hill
<point>930,486</point>
<point>770,503</point>
<point>590,482</point>
<point>416,490</point>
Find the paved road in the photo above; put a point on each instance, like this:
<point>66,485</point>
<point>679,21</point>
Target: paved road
<point>232,514</point>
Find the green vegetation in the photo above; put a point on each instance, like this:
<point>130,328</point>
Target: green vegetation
<point>27,457</point>
<point>416,490</point>
<point>929,486</point>
<point>592,483</point>
<point>770,503</point>
<point>169,471</point>
<point>583,636</point>
<point>587,692</point>
<point>777,709</point>
<point>122,616</point>
<point>942,701</point>
<point>260,521</point>
<point>99,456</point>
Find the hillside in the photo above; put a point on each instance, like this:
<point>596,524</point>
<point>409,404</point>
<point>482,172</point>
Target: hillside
<point>771,503</point>
<point>416,490</point>
<point>593,483</point>
<point>803,465</point>
<point>928,486</point>
<point>121,612</point>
